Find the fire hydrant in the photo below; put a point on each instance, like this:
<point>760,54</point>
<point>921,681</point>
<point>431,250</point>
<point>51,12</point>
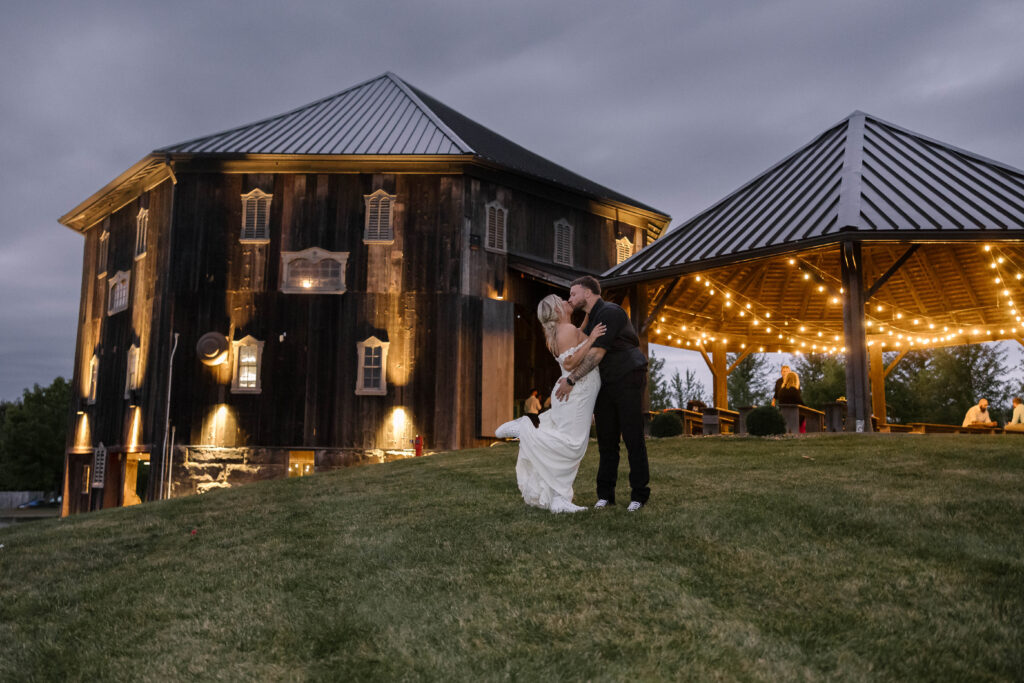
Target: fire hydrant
<point>418,445</point>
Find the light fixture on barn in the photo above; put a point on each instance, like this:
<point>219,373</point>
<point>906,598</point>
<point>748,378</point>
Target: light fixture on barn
<point>212,349</point>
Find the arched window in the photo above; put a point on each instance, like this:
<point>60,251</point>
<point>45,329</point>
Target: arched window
<point>117,300</point>
<point>141,232</point>
<point>623,249</point>
<point>379,228</point>
<point>313,271</point>
<point>94,375</point>
<point>131,378</point>
<point>247,376</point>
<point>497,218</point>
<point>563,242</point>
<point>256,217</point>
<point>371,373</point>
<point>101,256</point>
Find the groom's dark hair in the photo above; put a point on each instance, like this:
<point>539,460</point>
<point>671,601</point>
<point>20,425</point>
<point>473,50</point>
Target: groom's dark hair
<point>589,282</point>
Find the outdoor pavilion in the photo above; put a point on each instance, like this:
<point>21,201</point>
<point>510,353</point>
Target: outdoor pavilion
<point>870,238</point>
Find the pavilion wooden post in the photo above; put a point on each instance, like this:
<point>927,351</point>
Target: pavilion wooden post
<point>720,374</point>
<point>858,400</point>
<point>877,373</point>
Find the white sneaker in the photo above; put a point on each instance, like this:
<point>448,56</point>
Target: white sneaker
<point>601,503</point>
<point>634,506</point>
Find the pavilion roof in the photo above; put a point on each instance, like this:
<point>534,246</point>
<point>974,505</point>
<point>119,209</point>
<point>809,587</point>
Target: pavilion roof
<point>862,179</point>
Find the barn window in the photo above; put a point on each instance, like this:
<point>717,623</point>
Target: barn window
<point>131,379</point>
<point>141,232</point>
<point>94,375</point>
<point>313,271</point>
<point>86,478</point>
<point>371,375</point>
<point>379,215</point>
<point>101,256</point>
<point>256,217</point>
<point>497,219</point>
<point>563,242</point>
<point>623,249</point>
<point>247,352</point>
<point>117,301</point>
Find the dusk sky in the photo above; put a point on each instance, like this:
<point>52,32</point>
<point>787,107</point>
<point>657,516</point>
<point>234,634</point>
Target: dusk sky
<point>673,103</point>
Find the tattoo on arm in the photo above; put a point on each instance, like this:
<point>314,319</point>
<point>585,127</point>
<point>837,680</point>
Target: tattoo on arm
<point>589,362</point>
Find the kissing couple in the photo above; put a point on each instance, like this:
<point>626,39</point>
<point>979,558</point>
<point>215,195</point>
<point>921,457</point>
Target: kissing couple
<point>604,375</point>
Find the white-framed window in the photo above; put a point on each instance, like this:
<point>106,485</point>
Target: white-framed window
<point>256,217</point>
<point>379,214</point>
<point>563,242</point>
<point>623,249</point>
<point>313,271</point>
<point>94,375</point>
<point>247,376</point>
<point>372,366</point>
<point>117,285</point>
<point>131,377</point>
<point>102,253</point>
<point>497,220</point>
<point>141,232</point>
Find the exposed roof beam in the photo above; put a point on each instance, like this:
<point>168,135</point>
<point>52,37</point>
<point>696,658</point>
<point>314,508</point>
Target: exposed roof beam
<point>892,269</point>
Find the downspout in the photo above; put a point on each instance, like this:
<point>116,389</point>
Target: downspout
<point>167,415</point>
<point>170,363</point>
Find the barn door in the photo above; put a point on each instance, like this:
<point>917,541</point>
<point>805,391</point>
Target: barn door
<point>497,363</point>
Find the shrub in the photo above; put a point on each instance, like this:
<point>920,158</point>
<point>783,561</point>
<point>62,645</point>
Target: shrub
<point>765,421</point>
<point>666,424</point>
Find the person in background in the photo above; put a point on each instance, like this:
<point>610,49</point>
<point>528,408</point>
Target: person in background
<point>789,392</point>
<point>778,385</point>
<point>532,407</point>
<point>978,415</point>
<point>1016,423</point>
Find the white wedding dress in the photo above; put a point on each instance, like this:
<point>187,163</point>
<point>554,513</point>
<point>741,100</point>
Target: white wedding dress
<point>550,455</point>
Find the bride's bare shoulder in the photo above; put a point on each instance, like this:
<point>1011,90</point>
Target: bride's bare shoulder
<point>567,337</point>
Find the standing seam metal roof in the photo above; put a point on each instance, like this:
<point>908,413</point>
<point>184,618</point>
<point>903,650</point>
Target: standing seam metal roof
<point>387,116</point>
<point>863,175</point>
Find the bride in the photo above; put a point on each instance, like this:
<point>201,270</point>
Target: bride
<point>550,453</point>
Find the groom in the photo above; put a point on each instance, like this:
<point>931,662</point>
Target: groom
<point>619,407</point>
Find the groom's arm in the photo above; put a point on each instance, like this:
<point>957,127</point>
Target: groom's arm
<point>589,362</point>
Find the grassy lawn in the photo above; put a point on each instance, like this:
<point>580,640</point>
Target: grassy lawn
<point>852,557</point>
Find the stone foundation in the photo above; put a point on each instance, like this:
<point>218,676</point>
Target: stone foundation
<point>198,469</point>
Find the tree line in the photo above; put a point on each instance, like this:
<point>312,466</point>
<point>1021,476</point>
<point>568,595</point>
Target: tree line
<point>33,431</point>
<point>937,385</point>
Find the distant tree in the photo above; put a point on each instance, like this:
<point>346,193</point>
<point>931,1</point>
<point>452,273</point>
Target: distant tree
<point>32,438</point>
<point>822,378</point>
<point>748,382</point>
<point>657,387</point>
<point>941,384</point>
<point>689,388</point>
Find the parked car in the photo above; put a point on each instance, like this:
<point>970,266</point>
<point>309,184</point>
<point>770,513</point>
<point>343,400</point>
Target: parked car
<point>42,503</point>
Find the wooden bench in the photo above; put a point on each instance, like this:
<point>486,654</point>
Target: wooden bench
<point>893,427</point>
<point>835,417</point>
<point>691,419</point>
<point>718,421</point>
<point>929,428</point>
<point>980,429</point>
<point>814,420</point>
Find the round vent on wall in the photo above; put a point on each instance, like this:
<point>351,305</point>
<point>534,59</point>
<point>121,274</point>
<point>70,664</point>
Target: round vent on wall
<point>212,348</point>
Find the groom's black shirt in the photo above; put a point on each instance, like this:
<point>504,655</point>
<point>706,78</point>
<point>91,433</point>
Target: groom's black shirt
<point>620,341</point>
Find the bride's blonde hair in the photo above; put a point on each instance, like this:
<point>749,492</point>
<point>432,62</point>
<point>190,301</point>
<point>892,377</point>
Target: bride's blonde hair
<point>547,314</point>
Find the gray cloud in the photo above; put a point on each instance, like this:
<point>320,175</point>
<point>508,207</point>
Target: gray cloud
<point>675,104</point>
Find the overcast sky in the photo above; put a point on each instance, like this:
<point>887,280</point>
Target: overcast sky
<point>673,103</point>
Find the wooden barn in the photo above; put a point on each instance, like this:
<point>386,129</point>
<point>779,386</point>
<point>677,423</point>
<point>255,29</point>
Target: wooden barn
<point>318,289</point>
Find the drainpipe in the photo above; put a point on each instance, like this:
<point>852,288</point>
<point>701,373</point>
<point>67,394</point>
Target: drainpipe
<point>167,413</point>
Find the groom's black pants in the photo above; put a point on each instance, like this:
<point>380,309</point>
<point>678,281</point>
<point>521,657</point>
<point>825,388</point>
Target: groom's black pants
<point>619,412</point>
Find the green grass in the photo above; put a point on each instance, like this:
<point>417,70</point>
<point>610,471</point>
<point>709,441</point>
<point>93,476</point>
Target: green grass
<point>852,557</point>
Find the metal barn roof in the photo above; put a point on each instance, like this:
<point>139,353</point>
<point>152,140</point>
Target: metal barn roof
<point>387,116</point>
<point>863,176</point>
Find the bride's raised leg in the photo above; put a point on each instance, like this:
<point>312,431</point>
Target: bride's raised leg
<point>509,430</point>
